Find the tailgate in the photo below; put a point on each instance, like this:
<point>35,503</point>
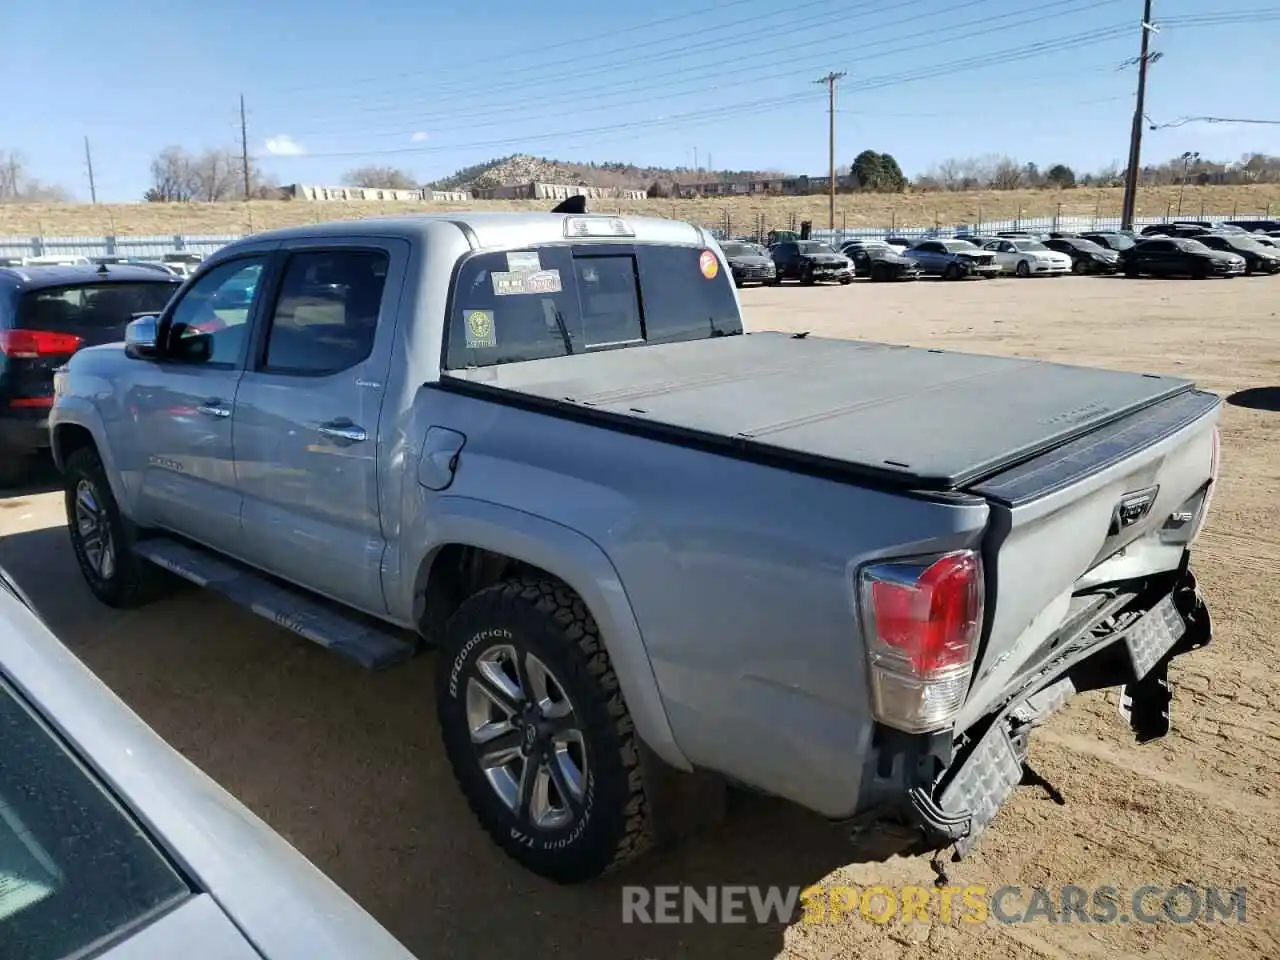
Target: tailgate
<point>1111,507</point>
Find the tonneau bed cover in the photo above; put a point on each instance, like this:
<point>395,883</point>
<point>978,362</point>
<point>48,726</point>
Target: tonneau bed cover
<point>922,418</point>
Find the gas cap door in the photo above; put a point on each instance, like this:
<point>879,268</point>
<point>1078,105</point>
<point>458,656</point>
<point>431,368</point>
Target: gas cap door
<point>439,460</point>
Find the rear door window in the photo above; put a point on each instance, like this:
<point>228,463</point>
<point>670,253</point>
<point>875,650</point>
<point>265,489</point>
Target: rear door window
<point>561,300</point>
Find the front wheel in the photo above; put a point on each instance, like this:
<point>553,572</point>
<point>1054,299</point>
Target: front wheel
<point>102,539</point>
<point>1023,269</point>
<point>952,272</point>
<point>538,733</point>
<point>1079,267</point>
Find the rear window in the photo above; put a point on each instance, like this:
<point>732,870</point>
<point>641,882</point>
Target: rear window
<point>554,301</point>
<point>103,306</point>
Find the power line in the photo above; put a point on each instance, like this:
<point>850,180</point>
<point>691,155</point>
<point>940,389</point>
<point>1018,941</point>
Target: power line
<point>624,58</point>
<point>831,80</point>
<point>1183,121</point>
<point>942,69</point>
<point>713,71</point>
<point>578,43</point>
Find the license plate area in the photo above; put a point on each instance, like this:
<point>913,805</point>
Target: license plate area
<point>1153,636</point>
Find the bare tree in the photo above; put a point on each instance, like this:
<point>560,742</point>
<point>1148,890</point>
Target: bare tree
<point>212,176</point>
<point>16,185</point>
<point>384,178</point>
<point>1007,174</point>
<point>948,173</point>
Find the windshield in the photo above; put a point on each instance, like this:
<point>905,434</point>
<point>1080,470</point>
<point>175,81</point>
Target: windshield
<point>740,250</point>
<point>93,311</point>
<point>1088,246</point>
<point>557,300</point>
<point>1029,245</point>
<point>74,868</point>
<point>1191,246</point>
<point>812,246</point>
<point>958,246</point>
<point>1118,241</point>
<point>1244,242</point>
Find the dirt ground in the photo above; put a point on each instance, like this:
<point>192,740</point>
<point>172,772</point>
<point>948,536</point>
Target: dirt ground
<point>737,214</point>
<point>348,766</point>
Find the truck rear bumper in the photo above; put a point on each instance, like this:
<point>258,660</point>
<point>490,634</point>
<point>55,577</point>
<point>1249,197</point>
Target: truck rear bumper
<point>978,774</point>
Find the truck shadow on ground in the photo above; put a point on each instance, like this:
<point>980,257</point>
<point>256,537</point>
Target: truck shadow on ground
<point>1257,398</point>
<point>348,767</point>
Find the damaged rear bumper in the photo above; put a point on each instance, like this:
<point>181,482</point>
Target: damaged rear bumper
<point>979,774</point>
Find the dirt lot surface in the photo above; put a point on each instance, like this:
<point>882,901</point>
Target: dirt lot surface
<point>852,210</point>
<point>349,767</point>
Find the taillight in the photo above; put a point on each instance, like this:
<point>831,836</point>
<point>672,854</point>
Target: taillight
<point>922,621</point>
<point>31,344</point>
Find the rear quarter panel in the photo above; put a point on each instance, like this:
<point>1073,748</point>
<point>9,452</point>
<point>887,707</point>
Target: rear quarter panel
<point>739,576</point>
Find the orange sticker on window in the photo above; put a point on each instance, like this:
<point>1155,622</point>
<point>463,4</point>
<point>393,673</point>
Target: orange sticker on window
<point>709,264</point>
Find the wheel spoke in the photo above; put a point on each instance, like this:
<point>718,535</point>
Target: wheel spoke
<point>499,687</point>
<point>568,780</point>
<point>500,750</point>
<point>526,790</point>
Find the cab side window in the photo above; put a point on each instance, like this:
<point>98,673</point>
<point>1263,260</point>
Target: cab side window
<point>326,314</point>
<point>209,324</point>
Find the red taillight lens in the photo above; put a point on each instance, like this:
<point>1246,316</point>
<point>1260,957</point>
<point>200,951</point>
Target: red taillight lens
<point>921,622</point>
<point>931,622</point>
<point>31,344</point>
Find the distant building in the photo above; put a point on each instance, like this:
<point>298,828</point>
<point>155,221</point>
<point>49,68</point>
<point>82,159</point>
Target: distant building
<point>555,191</point>
<point>784,186</point>
<point>303,191</point>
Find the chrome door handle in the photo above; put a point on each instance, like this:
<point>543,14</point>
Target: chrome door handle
<point>343,430</point>
<point>214,408</point>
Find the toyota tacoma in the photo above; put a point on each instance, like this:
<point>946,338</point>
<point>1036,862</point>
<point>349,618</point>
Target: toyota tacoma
<point>644,543</point>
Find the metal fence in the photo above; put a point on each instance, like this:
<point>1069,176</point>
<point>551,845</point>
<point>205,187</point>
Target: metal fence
<point>154,246</point>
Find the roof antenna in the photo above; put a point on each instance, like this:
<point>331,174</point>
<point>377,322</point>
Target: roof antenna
<point>102,269</point>
<point>576,204</point>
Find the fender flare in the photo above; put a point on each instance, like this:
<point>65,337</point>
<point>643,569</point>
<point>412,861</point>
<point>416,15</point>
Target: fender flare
<point>77,412</point>
<point>581,563</point>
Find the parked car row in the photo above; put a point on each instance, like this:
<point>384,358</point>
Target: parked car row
<point>179,263</point>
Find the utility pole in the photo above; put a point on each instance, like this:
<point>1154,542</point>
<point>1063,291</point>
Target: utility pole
<point>244,147</point>
<point>88,159</point>
<point>831,79</point>
<point>695,163</point>
<point>1139,117</point>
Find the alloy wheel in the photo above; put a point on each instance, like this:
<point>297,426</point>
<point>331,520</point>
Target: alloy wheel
<point>94,530</point>
<point>527,738</point>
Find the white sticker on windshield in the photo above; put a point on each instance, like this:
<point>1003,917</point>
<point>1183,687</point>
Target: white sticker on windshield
<point>481,334</point>
<point>514,284</point>
<point>524,261</point>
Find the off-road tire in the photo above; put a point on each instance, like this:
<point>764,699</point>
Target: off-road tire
<point>548,619</point>
<point>135,581</point>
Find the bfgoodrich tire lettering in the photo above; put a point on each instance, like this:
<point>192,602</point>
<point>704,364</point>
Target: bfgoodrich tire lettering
<point>537,637</point>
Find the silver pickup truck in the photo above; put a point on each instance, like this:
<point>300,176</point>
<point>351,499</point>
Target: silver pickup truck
<point>641,539</point>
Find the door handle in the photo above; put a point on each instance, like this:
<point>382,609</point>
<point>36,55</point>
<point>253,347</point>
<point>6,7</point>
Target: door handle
<point>214,408</point>
<point>343,430</point>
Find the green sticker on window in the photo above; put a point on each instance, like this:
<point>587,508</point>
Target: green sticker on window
<point>480,331</point>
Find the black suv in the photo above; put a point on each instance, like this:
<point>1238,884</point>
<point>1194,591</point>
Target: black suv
<point>46,315</point>
<point>810,261</point>
<point>1257,258</point>
<point>1179,257</point>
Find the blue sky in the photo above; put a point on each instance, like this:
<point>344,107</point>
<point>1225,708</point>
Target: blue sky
<point>330,86</point>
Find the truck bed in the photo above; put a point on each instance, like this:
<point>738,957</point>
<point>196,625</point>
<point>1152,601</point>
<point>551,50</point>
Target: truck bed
<point>903,416</point>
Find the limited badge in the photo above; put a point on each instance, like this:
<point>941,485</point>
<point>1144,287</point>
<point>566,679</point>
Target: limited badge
<point>480,332</point>
<point>709,264</point>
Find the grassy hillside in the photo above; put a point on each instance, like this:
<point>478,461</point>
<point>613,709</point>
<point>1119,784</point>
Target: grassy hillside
<point>853,210</point>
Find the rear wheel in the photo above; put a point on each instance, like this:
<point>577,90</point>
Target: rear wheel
<point>102,539</point>
<point>538,733</point>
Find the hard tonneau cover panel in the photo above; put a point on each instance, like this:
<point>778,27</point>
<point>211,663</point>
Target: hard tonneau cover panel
<point>928,419</point>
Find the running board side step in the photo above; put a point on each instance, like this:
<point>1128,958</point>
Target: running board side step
<point>316,619</point>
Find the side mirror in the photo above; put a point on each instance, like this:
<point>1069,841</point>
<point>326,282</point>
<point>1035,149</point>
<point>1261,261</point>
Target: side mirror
<point>140,338</point>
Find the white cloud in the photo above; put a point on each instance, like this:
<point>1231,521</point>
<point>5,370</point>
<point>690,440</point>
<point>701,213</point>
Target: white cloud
<point>420,136</point>
<point>283,145</point>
